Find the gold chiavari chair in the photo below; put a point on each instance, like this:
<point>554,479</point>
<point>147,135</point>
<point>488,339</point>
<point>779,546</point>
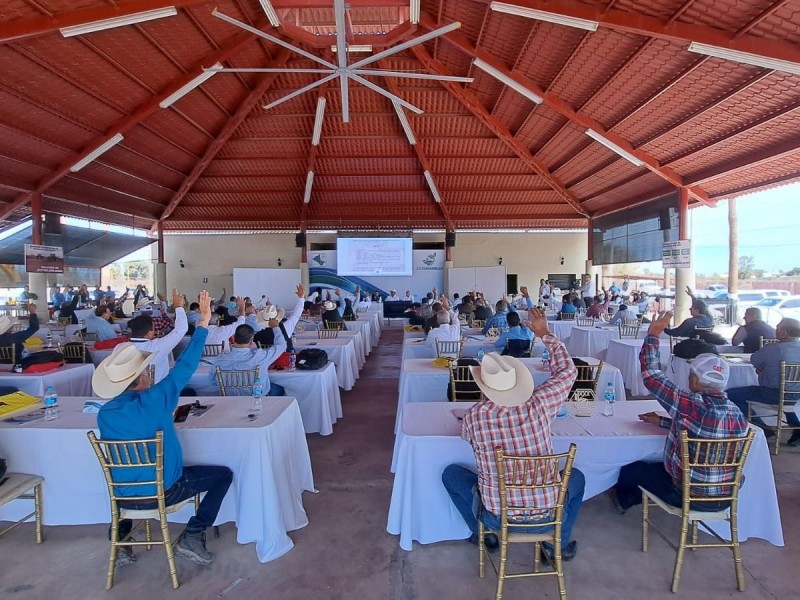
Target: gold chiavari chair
<point>478,323</point>
<point>629,328</point>
<point>462,384</point>
<point>74,351</point>
<point>86,336</point>
<point>448,348</point>
<point>22,486</point>
<point>566,316</point>
<point>7,354</point>
<point>327,334</point>
<point>137,454</point>
<point>240,382</point>
<point>529,475</point>
<point>213,349</point>
<point>65,320</point>
<point>587,378</point>
<point>726,455</point>
<point>334,325</point>
<point>787,396</point>
<point>582,320</point>
<point>673,341</point>
<point>762,341</point>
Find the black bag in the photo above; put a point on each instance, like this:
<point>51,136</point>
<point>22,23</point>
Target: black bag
<point>311,359</point>
<point>38,358</point>
<point>693,348</point>
<point>3,468</point>
<point>710,337</point>
<point>465,387</point>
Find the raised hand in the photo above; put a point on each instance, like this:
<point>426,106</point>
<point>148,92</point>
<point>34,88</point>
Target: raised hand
<point>204,301</point>
<point>31,308</point>
<point>300,291</point>
<point>538,322</point>
<point>524,291</point>
<point>660,323</point>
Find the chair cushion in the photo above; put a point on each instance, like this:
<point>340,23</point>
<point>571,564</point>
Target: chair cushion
<point>17,485</point>
<point>151,513</point>
<point>694,515</point>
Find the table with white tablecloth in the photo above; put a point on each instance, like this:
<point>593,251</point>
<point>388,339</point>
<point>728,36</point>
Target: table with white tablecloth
<point>317,393</point>
<point>742,373</point>
<point>593,341</point>
<point>421,381</point>
<point>342,352</point>
<point>69,380</point>
<point>421,509</point>
<point>358,342</point>
<point>624,354</point>
<point>365,326</point>
<point>416,347</point>
<point>268,456</point>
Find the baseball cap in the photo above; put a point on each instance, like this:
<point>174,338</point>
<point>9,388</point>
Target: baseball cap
<point>711,370</point>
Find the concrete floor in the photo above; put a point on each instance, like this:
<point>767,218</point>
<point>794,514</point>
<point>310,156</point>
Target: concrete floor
<point>345,551</point>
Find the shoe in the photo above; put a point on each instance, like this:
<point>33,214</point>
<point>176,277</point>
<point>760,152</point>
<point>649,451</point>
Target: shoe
<point>489,540</point>
<point>125,556</point>
<point>614,497</point>
<point>568,552</point>
<point>794,441</point>
<point>192,546</point>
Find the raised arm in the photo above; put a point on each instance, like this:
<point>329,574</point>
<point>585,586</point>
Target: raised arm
<point>294,317</point>
<point>553,391</point>
<point>670,396</point>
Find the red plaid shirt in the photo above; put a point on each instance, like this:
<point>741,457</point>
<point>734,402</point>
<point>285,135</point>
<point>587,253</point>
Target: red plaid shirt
<point>519,430</point>
<point>162,325</point>
<point>706,415</point>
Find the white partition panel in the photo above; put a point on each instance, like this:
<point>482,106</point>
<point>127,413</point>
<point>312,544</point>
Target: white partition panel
<point>489,280</point>
<point>278,284</point>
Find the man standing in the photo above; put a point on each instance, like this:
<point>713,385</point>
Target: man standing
<point>588,289</point>
<point>143,334</point>
<point>137,410</point>
<point>752,331</point>
<point>516,418</point>
<point>703,411</point>
<point>767,363</point>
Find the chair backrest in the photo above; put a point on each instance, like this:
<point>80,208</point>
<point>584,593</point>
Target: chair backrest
<point>629,328</point>
<point>7,353</point>
<point>519,348</point>
<point>533,476</point>
<point>448,348</point>
<point>350,317</point>
<point>327,334</point>
<point>478,323</point>
<point>57,328</point>
<point>725,457</point>
<point>566,316</point>
<point>584,321</point>
<point>213,349</point>
<point>790,383</point>
<point>73,351</point>
<point>117,456</point>
<point>334,325</point>
<point>86,336</point>
<point>697,330</point>
<point>586,379</point>
<point>65,320</point>
<point>236,383</point>
<point>462,384</point>
<point>580,311</point>
<point>673,341</point>
<point>762,341</point>
<point>264,346</point>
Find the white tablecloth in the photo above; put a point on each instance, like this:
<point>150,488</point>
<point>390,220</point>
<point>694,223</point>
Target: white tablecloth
<point>317,394</point>
<point>741,373</point>
<point>342,352</point>
<point>416,348</point>
<point>268,456</point>
<point>421,509</point>
<point>593,341</point>
<point>561,329</point>
<point>365,326</point>
<point>420,381</point>
<point>356,336</point>
<point>69,380</point>
<point>624,354</point>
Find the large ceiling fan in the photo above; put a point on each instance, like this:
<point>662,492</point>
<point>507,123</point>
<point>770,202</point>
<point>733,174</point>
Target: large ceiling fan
<point>343,71</point>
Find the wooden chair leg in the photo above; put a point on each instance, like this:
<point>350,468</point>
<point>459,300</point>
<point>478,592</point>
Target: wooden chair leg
<point>112,558</point>
<point>481,551</point>
<point>694,535</point>
<point>645,521</point>
<point>536,556</point>
<point>737,553</point>
<point>167,541</point>
<point>676,574</point>
<point>37,503</point>
<point>501,568</point>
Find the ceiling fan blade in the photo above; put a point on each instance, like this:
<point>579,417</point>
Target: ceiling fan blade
<point>268,70</point>
<point>400,47</point>
<point>302,90</point>
<point>383,92</point>
<point>272,38</point>
<point>412,75</point>
<point>341,57</point>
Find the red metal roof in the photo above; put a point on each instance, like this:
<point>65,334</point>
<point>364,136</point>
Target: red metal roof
<point>216,159</point>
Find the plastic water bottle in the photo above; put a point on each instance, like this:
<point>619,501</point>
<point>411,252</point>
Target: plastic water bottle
<point>546,359</point>
<point>481,354</point>
<point>610,397</point>
<point>293,361</point>
<point>258,392</point>
<point>50,404</point>
<point>49,339</point>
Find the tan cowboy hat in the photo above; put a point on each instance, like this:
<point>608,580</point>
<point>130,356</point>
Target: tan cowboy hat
<point>5,324</point>
<point>264,315</point>
<point>329,305</point>
<point>504,380</point>
<point>144,302</point>
<point>120,369</point>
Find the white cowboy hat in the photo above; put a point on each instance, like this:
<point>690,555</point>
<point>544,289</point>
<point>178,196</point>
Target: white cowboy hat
<point>120,369</point>
<point>504,380</point>
<point>329,305</point>
<point>144,302</point>
<point>5,324</point>
<point>271,312</point>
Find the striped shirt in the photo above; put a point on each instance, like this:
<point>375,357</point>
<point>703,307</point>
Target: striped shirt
<point>706,415</point>
<point>519,430</point>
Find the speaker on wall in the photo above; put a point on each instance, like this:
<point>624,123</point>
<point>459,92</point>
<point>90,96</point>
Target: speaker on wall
<point>52,223</point>
<point>300,240</point>
<point>450,239</point>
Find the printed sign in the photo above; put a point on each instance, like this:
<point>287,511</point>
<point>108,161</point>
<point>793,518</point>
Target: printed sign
<point>677,255</point>
<point>44,259</point>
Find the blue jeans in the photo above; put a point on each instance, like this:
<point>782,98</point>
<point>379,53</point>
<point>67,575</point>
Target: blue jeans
<point>276,389</point>
<point>757,393</point>
<point>653,477</point>
<point>462,485</point>
<point>213,480</point>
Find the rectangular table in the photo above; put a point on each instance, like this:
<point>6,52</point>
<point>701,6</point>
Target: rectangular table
<point>364,325</point>
<point>358,342</point>
<point>421,381</point>
<point>342,352</point>
<point>624,354</point>
<point>741,373</point>
<point>69,380</point>
<point>268,456</point>
<point>416,348</point>
<point>593,341</point>
<point>422,511</point>
<point>316,392</point>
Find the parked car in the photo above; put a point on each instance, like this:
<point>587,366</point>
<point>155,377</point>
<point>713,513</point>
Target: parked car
<point>776,293</point>
<point>779,307</point>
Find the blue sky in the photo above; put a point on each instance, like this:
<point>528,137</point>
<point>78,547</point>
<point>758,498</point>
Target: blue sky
<point>769,230</point>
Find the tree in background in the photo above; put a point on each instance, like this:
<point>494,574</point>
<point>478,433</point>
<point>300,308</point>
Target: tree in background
<point>747,266</point>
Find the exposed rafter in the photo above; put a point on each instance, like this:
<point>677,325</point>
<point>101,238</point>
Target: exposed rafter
<point>751,160</point>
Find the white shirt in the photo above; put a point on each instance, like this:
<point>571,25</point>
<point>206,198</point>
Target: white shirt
<point>394,298</point>
<point>588,289</point>
<point>447,331</point>
<point>164,345</point>
<point>291,319</point>
<point>219,334</point>
<point>262,303</point>
<point>408,298</point>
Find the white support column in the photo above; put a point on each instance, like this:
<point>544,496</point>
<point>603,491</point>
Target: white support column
<point>161,280</point>
<point>38,285</point>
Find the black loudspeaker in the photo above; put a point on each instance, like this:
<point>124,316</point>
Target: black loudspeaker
<point>52,223</point>
<point>300,240</point>
<point>450,239</point>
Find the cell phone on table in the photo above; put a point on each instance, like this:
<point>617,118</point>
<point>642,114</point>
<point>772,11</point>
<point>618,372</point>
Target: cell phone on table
<point>182,413</point>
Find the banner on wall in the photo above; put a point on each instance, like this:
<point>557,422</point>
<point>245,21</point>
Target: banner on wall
<point>44,259</point>
<point>428,268</point>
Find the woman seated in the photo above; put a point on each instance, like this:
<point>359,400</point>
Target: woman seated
<point>701,317</point>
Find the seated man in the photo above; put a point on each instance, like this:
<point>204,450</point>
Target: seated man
<point>445,330</point>
<point>767,363</point>
<point>498,319</point>
<point>143,334</point>
<point>193,316</point>
<point>244,354</point>
<point>99,323</point>
<point>136,411</point>
<point>621,314</point>
<point>482,311</point>
<point>567,307</point>
<point>392,297</point>
<point>752,331</point>
<point>599,306</point>
<point>219,334</point>
<point>517,419</point>
<point>515,331</point>
<point>16,339</point>
<point>703,410</point>
<point>408,297</point>
<point>432,322</point>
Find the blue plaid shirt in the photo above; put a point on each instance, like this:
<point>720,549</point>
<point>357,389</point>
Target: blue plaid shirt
<point>707,415</point>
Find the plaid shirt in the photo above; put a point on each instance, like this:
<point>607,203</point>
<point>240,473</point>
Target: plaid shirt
<point>519,430</point>
<point>706,415</point>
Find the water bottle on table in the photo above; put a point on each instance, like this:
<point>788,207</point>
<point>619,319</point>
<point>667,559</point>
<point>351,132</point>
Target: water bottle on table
<point>258,392</point>
<point>481,354</point>
<point>50,404</point>
<point>292,360</point>
<point>546,359</point>
<point>610,397</point>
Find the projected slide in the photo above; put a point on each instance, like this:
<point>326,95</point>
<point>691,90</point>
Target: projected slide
<point>374,256</point>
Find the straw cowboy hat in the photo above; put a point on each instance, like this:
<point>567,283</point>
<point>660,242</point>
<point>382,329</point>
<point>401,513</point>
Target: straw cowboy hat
<point>504,380</point>
<point>119,370</point>
<point>329,305</point>
<point>5,324</point>
<point>270,312</point>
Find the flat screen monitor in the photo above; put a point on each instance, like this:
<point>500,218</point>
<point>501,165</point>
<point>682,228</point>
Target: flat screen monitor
<point>370,257</point>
